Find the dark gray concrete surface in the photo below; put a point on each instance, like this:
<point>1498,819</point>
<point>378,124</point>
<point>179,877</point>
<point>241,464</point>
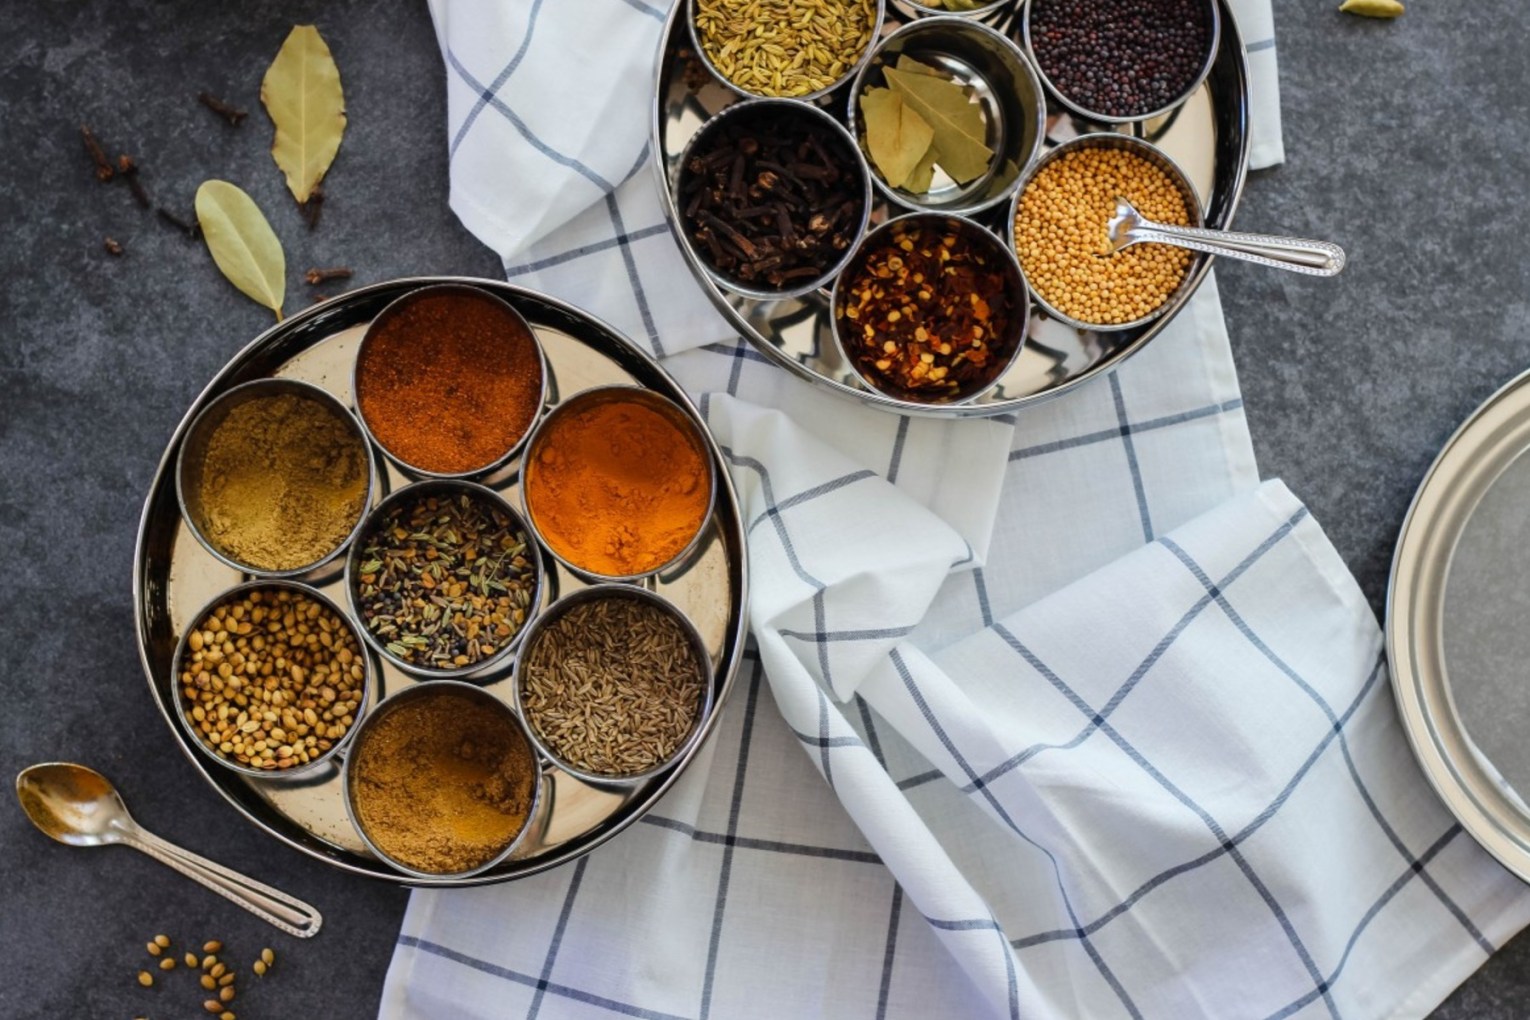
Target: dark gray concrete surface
<point>1406,143</point>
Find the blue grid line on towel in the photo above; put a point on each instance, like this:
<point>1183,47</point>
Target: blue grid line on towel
<point>766,845</point>
<point>613,211</point>
<point>1130,428</point>
<point>557,937</point>
<point>507,974</point>
<point>956,755</point>
<point>1365,794</point>
<point>486,95</point>
<point>522,127</point>
<point>511,272</point>
<point>1131,456</point>
<point>885,987</point>
<point>725,872</point>
<point>1416,868</point>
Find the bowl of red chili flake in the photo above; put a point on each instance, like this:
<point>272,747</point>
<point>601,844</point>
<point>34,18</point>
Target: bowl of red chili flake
<point>931,309</point>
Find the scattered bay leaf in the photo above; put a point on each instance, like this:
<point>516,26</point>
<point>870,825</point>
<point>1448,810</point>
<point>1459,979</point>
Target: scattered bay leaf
<point>1372,8</point>
<point>242,243</point>
<point>301,91</point>
<point>896,137</point>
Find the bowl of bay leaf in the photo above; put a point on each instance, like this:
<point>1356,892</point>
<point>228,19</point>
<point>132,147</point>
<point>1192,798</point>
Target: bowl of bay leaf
<point>949,114</point>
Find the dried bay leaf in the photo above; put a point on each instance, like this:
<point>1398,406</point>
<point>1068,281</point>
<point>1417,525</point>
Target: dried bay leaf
<point>956,122</point>
<point>1372,8</point>
<point>301,91</point>
<point>922,176</point>
<point>242,243</point>
<point>896,137</point>
<point>909,64</point>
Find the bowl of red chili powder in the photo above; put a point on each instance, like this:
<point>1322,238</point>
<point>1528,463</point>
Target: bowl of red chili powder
<point>449,381</point>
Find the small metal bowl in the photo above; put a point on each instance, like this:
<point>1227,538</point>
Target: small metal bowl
<point>462,292</point>
<point>703,663</point>
<point>445,487</point>
<point>993,9</point>
<point>1019,327</point>
<point>1156,156</point>
<point>188,465</point>
<point>1007,90</point>
<point>1214,9</point>
<point>441,688</point>
<point>685,418</point>
<point>761,110</point>
<point>850,68</point>
<point>183,647</point>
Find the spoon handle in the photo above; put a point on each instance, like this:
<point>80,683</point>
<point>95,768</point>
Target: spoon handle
<point>1312,258</point>
<point>288,913</point>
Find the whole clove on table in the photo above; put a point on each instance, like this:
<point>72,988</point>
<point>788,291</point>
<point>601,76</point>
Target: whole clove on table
<point>222,109</point>
<point>104,170</point>
<point>128,168</point>
<point>771,199</point>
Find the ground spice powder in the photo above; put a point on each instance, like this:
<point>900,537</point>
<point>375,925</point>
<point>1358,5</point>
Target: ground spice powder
<point>450,382</point>
<point>442,783</point>
<point>617,487</point>
<point>283,482</point>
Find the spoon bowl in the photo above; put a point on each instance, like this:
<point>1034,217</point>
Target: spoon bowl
<point>78,806</point>
<point>72,804</point>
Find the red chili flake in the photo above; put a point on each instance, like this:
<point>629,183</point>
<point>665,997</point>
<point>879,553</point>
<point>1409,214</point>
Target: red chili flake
<point>926,313</point>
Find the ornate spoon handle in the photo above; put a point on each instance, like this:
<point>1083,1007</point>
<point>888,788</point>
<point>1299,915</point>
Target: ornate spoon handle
<point>1299,255</point>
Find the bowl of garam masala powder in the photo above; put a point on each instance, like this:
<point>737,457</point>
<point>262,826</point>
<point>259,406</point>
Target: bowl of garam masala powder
<point>442,780</point>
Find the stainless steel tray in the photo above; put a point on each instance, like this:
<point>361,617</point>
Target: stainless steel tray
<point>173,577</point>
<point>1456,639</point>
<point>1207,135</point>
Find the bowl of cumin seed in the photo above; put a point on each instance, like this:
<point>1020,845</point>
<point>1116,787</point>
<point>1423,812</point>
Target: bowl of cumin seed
<point>613,683</point>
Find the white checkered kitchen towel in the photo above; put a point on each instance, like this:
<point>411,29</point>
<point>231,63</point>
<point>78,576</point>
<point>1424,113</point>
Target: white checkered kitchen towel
<point>1066,715</point>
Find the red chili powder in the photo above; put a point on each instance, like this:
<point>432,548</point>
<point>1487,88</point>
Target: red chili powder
<point>450,382</point>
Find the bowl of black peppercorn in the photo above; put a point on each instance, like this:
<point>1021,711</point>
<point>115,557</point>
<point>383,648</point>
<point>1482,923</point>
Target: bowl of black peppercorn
<point>773,196</point>
<point>1117,63</point>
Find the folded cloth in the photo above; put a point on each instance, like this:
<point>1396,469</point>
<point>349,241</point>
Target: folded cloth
<point>1095,723</point>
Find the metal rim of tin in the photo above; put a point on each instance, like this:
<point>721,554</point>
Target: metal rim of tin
<point>455,486</point>
<point>249,391</point>
<point>974,230</point>
<point>1230,141</point>
<point>594,593</point>
<point>1491,439</point>
<point>630,394</point>
<point>1154,155</point>
<point>442,688</point>
<point>953,23</point>
<point>329,318</point>
<point>263,584</point>
<point>789,108</point>
<point>462,291</point>
<point>850,70</point>
<point>1213,47</point>
<point>926,11</point>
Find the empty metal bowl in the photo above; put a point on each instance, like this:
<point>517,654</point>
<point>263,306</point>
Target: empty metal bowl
<point>1004,86</point>
<point>1154,155</point>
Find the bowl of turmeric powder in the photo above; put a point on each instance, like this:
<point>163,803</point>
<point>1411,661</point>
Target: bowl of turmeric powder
<point>618,484</point>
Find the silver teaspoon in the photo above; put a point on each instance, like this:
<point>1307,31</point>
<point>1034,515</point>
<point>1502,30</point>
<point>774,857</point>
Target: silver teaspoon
<point>1314,258</point>
<point>80,807</point>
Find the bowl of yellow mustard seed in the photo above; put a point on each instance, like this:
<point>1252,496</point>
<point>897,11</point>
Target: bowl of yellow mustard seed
<point>274,477</point>
<point>1059,231</point>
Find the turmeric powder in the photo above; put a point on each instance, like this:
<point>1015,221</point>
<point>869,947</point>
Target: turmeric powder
<point>618,483</point>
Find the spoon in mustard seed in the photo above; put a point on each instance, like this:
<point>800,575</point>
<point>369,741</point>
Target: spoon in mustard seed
<point>79,806</point>
<point>1312,258</point>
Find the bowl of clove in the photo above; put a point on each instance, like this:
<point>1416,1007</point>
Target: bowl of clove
<point>774,196</point>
